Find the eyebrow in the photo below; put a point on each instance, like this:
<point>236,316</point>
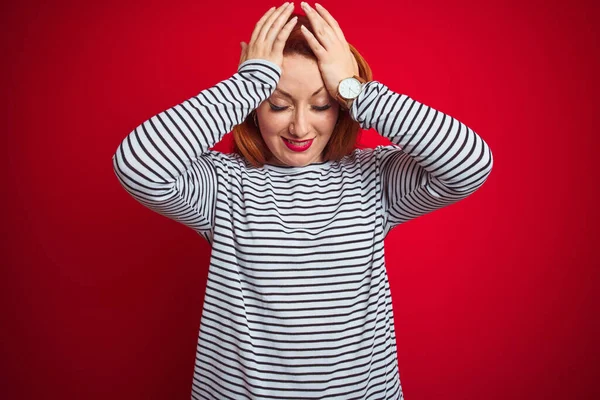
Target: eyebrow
<point>283,92</point>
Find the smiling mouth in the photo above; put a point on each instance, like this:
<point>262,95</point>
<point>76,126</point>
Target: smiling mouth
<point>297,145</point>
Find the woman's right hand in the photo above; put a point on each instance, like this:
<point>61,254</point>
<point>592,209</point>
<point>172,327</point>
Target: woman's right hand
<point>270,35</point>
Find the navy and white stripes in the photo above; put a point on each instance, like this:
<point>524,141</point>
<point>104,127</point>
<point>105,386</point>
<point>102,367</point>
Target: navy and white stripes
<point>297,302</point>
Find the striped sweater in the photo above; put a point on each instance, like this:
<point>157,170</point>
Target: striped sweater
<point>297,302</point>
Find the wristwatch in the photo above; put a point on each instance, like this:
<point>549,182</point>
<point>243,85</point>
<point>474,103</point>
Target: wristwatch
<point>348,89</point>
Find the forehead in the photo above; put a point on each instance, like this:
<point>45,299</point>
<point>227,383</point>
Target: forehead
<point>300,77</point>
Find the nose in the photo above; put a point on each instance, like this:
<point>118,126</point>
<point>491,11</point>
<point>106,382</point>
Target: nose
<point>300,126</point>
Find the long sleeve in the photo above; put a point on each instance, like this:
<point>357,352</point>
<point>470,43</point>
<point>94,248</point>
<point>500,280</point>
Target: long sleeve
<point>165,163</point>
<point>435,160</point>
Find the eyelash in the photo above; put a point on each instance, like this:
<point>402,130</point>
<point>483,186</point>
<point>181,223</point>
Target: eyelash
<point>277,109</point>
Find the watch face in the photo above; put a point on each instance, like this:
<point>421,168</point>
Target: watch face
<point>350,88</point>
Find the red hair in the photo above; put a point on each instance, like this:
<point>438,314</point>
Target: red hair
<point>248,141</point>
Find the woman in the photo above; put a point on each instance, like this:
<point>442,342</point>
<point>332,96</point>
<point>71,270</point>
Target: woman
<point>297,299</point>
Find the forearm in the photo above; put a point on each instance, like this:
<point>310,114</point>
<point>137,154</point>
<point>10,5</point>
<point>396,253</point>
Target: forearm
<point>160,149</point>
<point>446,148</point>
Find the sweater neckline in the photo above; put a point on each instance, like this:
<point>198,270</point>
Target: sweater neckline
<point>292,169</point>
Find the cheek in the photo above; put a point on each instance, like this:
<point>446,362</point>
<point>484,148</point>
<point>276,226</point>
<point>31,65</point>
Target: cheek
<point>271,127</point>
<point>329,122</point>
<point>332,114</point>
<point>333,117</point>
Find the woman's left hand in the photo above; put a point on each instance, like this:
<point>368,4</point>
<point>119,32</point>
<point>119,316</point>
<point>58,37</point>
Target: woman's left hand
<point>335,59</point>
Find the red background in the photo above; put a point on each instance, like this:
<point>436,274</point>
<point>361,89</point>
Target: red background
<point>494,297</point>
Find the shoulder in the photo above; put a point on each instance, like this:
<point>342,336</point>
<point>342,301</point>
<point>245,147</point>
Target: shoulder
<point>364,155</point>
<point>226,162</point>
<point>226,157</point>
<point>376,156</point>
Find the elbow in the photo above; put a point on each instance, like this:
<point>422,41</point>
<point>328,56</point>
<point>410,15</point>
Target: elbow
<point>481,172</point>
<point>488,164</point>
<point>471,179</point>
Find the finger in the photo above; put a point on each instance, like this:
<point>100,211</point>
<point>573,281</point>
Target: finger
<point>331,21</point>
<point>314,44</point>
<point>283,35</point>
<point>262,36</point>
<point>322,30</point>
<point>260,23</point>
<point>278,24</point>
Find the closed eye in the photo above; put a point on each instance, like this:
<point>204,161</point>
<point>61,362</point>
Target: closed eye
<point>322,108</point>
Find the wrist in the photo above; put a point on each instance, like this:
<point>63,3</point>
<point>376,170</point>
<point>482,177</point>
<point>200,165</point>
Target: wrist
<point>348,90</point>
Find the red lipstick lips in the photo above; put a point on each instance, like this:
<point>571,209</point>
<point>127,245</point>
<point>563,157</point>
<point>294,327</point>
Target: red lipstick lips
<point>298,146</point>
